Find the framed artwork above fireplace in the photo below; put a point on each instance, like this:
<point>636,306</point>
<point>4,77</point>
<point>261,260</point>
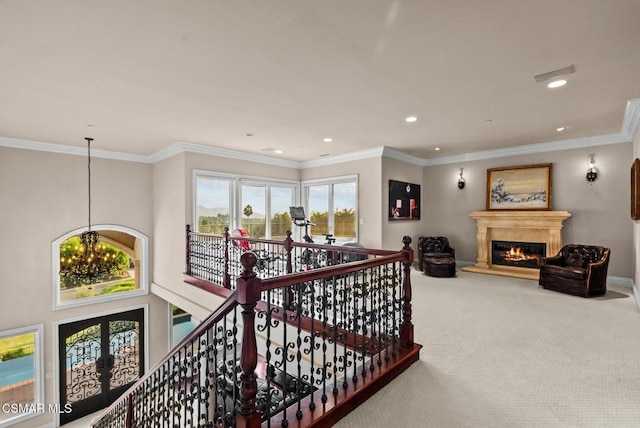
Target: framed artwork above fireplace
<point>526,187</point>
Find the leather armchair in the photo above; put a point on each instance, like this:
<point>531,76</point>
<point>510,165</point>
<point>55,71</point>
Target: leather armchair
<point>580,270</point>
<point>436,257</point>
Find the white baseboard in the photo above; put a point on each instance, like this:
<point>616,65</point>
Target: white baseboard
<point>620,281</point>
<point>636,295</point>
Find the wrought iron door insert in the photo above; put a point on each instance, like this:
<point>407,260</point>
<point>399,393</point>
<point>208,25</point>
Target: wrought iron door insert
<point>99,359</point>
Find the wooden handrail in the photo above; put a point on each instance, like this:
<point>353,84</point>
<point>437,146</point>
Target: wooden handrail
<point>328,271</point>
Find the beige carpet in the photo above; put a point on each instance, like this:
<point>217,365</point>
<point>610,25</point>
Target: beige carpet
<point>502,352</point>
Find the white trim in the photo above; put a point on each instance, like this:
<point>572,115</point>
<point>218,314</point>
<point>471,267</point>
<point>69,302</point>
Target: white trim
<point>620,281</point>
<point>636,295</point>
<point>71,150</point>
<point>388,152</point>
<point>220,152</point>
<point>57,304</point>
<point>331,181</point>
<point>56,339</point>
<point>529,149</point>
<point>235,193</point>
<point>38,372</point>
<point>629,128</point>
<point>631,120</point>
<point>376,152</point>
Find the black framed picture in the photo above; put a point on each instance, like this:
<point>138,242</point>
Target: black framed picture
<point>404,201</point>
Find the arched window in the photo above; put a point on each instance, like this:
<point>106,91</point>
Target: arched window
<point>118,270</point>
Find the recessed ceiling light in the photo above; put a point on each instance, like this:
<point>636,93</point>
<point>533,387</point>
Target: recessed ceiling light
<point>437,149</point>
<point>561,128</point>
<point>328,140</point>
<point>557,83</point>
<point>410,119</point>
<point>278,151</point>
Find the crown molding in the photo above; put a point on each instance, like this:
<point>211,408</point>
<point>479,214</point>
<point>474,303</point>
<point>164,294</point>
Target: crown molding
<point>388,152</point>
<point>70,150</point>
<point>631,120</point>
<point>577,143</point>
<point>628,132</point>
<point>348,157</point>
<point>185,147</point>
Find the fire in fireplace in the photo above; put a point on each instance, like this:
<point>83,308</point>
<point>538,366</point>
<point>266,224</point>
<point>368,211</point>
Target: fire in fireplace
<point>517,254</point>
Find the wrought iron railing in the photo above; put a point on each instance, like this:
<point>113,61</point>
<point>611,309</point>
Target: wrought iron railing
<point>281,348</point>
<point>215,258</point>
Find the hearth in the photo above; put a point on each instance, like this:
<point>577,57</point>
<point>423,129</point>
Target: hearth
<point>517,254</point>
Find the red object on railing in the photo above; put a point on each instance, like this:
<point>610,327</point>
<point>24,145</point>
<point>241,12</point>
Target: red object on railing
<point>244,245</point>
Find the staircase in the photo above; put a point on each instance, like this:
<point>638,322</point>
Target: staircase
<point>292,344</point>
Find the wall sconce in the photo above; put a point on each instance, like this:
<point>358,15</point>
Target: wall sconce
<point>461,182</point>
<point>592,172</point>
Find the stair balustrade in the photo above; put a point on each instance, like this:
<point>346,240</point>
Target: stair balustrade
<point>289,346</point>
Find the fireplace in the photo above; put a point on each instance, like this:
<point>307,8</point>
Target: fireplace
<point>518,254</point>
<point>523,228</point>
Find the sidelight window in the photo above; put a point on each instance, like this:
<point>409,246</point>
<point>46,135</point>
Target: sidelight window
<point>21,381</point>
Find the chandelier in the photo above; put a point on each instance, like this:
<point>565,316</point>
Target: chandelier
<point>89,253</point>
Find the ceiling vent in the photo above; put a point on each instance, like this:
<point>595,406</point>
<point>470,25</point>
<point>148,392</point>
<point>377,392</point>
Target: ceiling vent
<point>550,75</point>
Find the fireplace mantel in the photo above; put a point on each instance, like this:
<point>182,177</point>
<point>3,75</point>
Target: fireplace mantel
<point>521,226</point>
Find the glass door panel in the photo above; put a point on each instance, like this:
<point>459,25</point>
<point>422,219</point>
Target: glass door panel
<point>281,200</point>
<point>254,209</point>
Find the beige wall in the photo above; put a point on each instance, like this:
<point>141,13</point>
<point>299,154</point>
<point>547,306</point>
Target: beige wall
<point>600,211</point>
<point>43,196</point>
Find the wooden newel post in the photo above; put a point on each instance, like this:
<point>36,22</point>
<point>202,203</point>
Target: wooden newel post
<point>128,421</point>
<point>288,246</point>
<point>226,279</point>
<point>247,294</point>
<point>188,249</point>
<point>288,293</point>
<point>406,328</point>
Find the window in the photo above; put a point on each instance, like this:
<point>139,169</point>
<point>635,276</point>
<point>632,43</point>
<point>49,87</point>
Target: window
<point>332,205</point>
<point>21,383</point>
<point>259,206</point>
<point>120,271</point>
<point>254,209</point>
<point>213,204</point>
<point>280,219</point>
<point>182,323</point>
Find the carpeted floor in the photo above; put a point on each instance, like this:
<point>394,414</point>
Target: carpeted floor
<point>502,352</point>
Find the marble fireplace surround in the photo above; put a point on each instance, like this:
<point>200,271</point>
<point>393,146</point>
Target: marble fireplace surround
<point>521,226</point>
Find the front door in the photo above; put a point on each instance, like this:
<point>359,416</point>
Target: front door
<point>99,359</point>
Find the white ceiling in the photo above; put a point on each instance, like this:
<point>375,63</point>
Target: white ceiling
<point>149,73</point>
